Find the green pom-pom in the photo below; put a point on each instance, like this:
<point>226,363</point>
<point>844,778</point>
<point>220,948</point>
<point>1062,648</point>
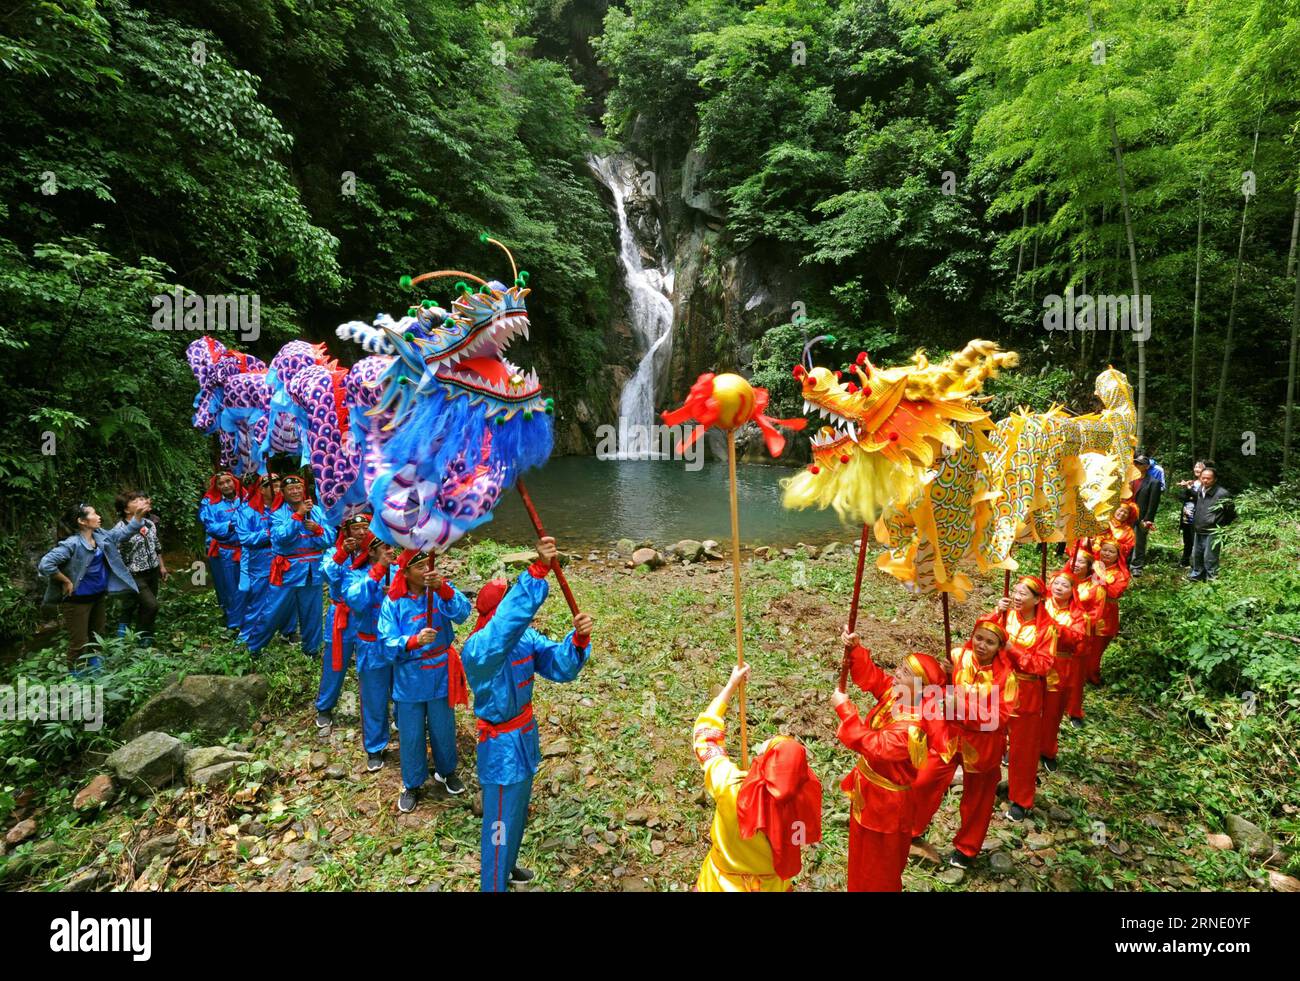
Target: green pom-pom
<point>550,403</point>
<point>426,304</point>
<point>449,323</point>
<point>412,311</point>
<point>461,287</point>
<point>522,278</point>
<point>831,338</point>
<point>408,337</point>
<point>500,420</point>
<point>483,237</point>
<point>404,282</point>
<point>528,414</point>
<point>403,380</point>
<point>550,410</point>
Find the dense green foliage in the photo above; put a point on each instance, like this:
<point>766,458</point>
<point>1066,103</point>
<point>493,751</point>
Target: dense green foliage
<point>306,153</point>
<point>933,170</point>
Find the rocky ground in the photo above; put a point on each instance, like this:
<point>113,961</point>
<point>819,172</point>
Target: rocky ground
<point>618,803</point>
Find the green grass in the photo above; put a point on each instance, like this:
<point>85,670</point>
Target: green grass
<point>1139,787</point>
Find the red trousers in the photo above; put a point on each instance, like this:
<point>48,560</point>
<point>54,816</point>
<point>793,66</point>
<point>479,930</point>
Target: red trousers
<point>876,859</point>
<point>1087,668</point>
<point>1024,738</point>
<point>978,793</point>
<point>1075,700</point>
<point>1055,703</point>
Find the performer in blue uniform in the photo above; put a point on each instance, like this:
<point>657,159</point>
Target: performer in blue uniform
<point>299,535</point>
<point>501,657</point>
<point>253,526</point>
<point>340,630</point>
<point>416,632</point>
<point>365,595</point>
<point>217,512</point>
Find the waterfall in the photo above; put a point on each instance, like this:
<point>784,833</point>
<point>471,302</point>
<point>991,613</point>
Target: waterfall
<point>650,311</point>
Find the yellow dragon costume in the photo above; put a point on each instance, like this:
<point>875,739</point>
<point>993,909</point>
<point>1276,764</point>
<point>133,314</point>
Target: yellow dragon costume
<point>911,450</point>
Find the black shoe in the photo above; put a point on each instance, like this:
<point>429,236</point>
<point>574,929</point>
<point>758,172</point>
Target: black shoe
<point>1077,723</point>
<point>451,782</point>
<point>1050,764</point>
<point>1015,813</point>
<point>521,877</point>
<point>293,638</point>
<point>374,761</point>
<point>324,720</point>
<point>407,801</point>
<point>958,860</point>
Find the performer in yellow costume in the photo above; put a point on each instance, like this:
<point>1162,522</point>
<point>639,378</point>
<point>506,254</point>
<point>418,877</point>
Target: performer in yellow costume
<point>764,815</point>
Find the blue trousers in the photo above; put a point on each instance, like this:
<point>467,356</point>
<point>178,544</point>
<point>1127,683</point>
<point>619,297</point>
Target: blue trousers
<point>414,719</point>
<point>225,580</point>
<point>505,811</point>
<point>331,681</point>
<point>376,691</point>
<point>283,604</point>
<point>254,584</point>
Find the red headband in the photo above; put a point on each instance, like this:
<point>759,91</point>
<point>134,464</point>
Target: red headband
<point>408,558</point>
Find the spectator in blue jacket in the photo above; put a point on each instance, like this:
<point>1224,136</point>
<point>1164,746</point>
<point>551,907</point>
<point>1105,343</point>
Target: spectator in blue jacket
<point>83,570</point>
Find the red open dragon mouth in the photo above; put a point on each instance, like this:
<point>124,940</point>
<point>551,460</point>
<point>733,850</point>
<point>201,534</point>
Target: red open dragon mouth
<point>492,376</point>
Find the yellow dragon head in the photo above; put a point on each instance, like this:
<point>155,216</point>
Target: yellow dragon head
<point>886,426</point>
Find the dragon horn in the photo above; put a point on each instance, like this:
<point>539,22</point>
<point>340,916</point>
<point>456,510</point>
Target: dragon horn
<point>514,270</point>
<point>807,348</point>
<point>440,274</point>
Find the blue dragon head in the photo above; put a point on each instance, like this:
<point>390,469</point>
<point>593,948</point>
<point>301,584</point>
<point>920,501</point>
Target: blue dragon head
<point>455,422</point>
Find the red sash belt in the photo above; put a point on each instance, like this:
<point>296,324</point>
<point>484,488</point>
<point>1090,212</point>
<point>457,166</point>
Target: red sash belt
<point>341,611</point>
<point>457,685</point>
<point>280,564</point>
<point>486,730</point>
<point>215,547</point>
<point>368,638</point>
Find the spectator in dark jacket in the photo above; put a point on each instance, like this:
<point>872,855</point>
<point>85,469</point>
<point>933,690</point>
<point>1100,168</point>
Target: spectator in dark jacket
<point>83,569</point>
<point>1188,492</point>
<point>1213,510</point>
<point>142,553</point>
<point>1146,495</point>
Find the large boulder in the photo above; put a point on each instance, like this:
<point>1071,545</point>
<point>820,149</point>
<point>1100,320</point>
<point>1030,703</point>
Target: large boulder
<point>149,762</point>
<point>688,550</point>
<point>1249,838</point>
<point>201,759</point>
<point>648,557</point>
<point>207,705</point>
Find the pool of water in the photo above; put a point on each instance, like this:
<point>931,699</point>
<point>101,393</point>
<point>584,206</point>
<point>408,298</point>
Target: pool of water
<point>584,502</point>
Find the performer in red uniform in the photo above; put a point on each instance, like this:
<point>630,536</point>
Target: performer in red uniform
<point>891,742</point>
<point>1092,600</point>
<point>1031,646</point>
<point>984,691</point>
<point>1073,632</point>
<point>1121,528</point>
<point>1110,573</point>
